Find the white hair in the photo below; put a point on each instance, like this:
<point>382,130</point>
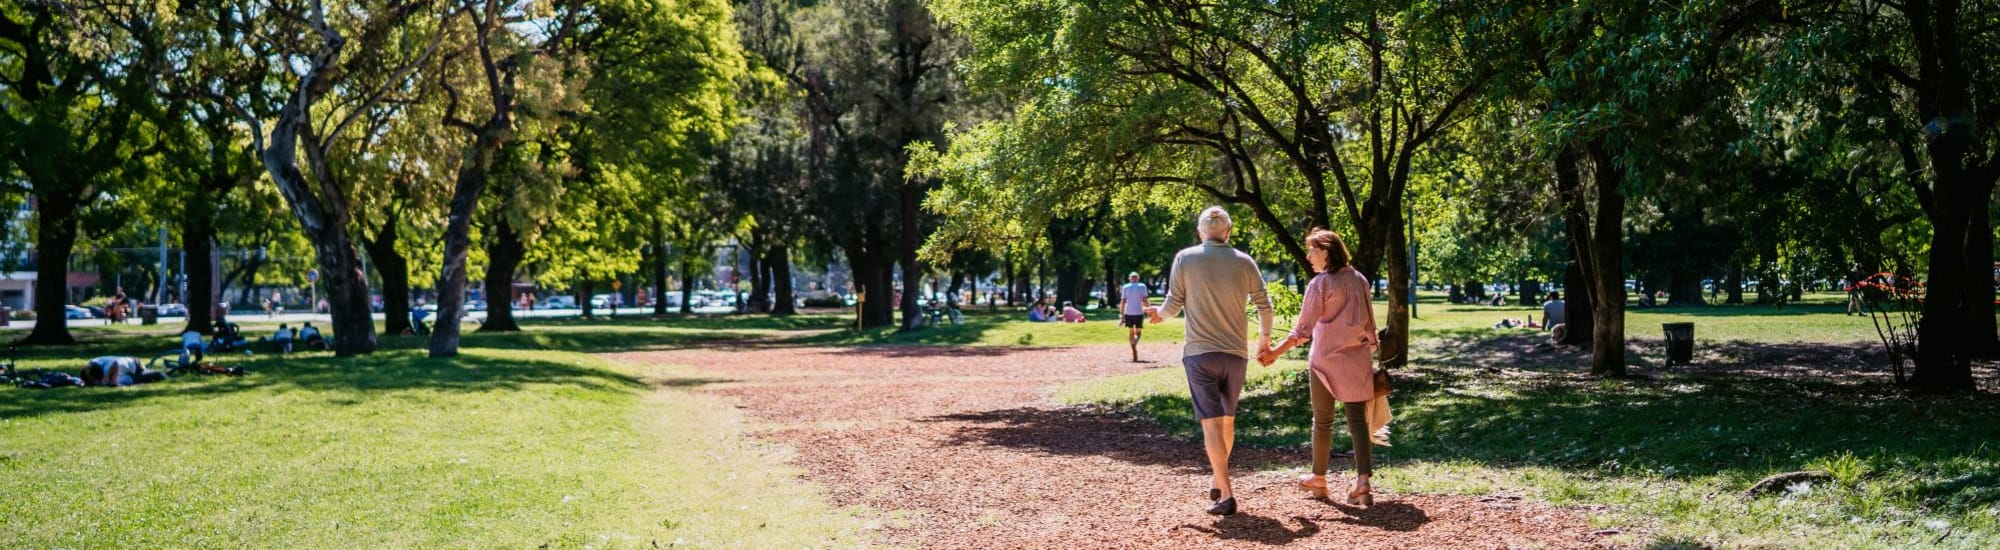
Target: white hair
<point>1213,224</point>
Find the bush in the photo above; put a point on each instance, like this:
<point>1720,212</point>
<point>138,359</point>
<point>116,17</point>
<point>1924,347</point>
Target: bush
<point>99,302</point>
<point>24,315</point>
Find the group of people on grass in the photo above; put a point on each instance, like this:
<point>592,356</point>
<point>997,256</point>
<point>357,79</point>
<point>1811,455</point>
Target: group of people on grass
<point>1210,284</point>
<point>1044,311</point>
<point>119,370</point>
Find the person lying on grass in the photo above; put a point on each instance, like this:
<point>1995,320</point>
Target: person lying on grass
<point>1070,314</point>
<point>114,370</point>
<point>311,336</point>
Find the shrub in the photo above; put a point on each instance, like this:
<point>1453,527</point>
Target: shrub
<point>1895,305</point>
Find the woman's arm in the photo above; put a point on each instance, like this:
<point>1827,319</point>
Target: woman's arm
<point>1311,307</point>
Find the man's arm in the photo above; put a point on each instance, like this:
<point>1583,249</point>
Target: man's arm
<point>1262,299</point>
<point>1176,293</point>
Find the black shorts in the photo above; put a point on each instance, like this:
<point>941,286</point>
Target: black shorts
<point>1132,321</point>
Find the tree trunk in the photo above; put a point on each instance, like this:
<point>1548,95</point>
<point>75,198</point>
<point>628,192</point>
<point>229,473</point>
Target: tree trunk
<point>1732,284</point>
<point>687,284</point>
<point>1767,275</point>
<point>1576,300</point>
<point>394,270</point>
<point>1395,349</point>
<point>910,195</point>
<point>781,280</point>
<point>1111,297</point>
<point>754,258</point>
<point>504,252</point>
<point>346,292</point>
<point>56,238</point>
<point>878,306</point>
<point>1007,275</point>
<point>1979,283</point>
<point>1606,270</point>
<point>197,251</point>
<point>585,289</point>
<point>1685,290</point>
<point>658,266</point>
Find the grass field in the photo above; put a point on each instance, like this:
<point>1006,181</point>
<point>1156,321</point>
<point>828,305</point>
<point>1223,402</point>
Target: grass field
<point>1482,411</point>
<point>497,448</point>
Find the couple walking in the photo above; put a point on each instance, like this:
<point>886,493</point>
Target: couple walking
<point>1210,282</point>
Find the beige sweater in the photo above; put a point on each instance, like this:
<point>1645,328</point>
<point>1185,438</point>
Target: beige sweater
<point>1211,281</point>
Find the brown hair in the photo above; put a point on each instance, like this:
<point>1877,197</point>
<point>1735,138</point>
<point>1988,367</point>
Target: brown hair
<point>1336,251</point>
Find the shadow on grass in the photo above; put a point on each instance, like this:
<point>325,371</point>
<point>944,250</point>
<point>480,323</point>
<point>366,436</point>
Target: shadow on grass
<point>1505,404</point>
<point>354,379</point>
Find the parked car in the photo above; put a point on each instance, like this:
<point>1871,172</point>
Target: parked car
<point>95,312</point>
<point>475,305</point>
<point>173,310</point>
<point>74,312</point>
<point>559,302</point>
<point>600,301</point>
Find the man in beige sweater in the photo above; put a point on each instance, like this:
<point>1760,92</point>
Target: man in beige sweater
<point>1211,281</point>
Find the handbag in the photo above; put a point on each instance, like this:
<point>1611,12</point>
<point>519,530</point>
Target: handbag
<point>1381,382</point>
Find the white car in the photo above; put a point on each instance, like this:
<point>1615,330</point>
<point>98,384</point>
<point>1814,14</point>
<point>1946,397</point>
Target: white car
<point>559,302</point>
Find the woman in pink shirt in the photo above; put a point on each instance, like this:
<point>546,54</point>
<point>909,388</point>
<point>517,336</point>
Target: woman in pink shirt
<point>1337,317</point>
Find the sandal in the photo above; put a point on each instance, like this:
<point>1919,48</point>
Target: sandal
<point>1313,484</point>
<point>1362,496</point>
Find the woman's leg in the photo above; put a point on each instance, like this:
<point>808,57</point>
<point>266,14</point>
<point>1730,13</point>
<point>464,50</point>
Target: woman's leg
<point>1357,429</point>
<point>1322,422</point>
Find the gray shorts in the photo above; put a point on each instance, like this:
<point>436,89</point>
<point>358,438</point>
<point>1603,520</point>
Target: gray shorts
<point>1215,380</point>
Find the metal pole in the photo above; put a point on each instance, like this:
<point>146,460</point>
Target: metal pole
<point>1410,224</point>
<point>160,292</point>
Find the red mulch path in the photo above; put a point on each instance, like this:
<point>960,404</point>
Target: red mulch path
<point>960,448</point>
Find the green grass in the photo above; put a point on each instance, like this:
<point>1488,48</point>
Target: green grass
<point>1672,453</point>
<point>497,448</point>
<point>1820,318</point>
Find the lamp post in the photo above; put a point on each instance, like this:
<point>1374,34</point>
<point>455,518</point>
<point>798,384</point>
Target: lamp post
<point>1410,229</point>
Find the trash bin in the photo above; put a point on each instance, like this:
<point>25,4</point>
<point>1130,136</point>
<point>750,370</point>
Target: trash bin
<point>149,315</point>
<point>6,316</point>
<point>1680,342</point>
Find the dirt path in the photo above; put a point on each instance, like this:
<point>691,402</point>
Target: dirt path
<point>960,448</point>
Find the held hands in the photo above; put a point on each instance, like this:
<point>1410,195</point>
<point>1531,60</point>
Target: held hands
<point>1268,354</point>
<point>1267,357</point>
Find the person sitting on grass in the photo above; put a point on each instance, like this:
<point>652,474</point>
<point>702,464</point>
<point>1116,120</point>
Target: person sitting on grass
<point>311,336</point>
<point>1554,311</point>
<point>283,339</point>
<point>191,348</point>
<point>234,338</point>
<point>114,370</point>
<point>1037,314</point>
<point>1070,314</point>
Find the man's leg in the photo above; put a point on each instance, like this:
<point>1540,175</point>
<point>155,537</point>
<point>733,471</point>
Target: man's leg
<point>1217,434</point>
<point>1133,335</point>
